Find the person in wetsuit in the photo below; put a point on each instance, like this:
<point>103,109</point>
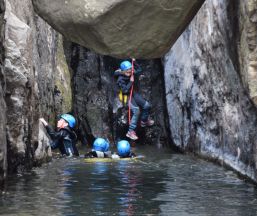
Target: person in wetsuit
<point>125,81</point>
<point>100,149</point>
<point>64,138</point>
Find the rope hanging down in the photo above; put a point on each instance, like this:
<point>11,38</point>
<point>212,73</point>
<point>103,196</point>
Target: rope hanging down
<point>131,92</point>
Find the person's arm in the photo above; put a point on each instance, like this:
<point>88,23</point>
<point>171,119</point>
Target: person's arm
<point>117,72</point>
<point>52,133</point>
<point>125,87</point>
<point>55,136</point>
<point>138,70</point>
<point>43,121</point>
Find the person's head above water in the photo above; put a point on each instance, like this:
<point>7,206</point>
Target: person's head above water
<point>101,144</point>
<point>66,120</point>
<point>123,148</point>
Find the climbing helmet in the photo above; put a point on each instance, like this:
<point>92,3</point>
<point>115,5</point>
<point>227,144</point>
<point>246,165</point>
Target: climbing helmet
<point>123,148</point>
<point>125,65</point>
<point>101,144</point>
<point>69,119</point>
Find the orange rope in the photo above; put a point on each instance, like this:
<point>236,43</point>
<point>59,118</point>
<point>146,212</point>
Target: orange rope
<point>131,92</point>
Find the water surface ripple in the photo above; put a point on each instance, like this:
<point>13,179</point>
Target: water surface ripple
<point>160,184</point>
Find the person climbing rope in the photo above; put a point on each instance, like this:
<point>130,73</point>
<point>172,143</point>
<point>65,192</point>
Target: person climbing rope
<point>128,84</point>
<point>100,149</point>
<point>64,138</point>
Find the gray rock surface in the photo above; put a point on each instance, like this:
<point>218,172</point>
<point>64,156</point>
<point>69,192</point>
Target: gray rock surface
<point>17,70</point>
<point>120,28</point>
<point>3,144</point>
<point>32,88</point>
<point>209,108</point>
<point>247,48</point>
<point>43,151</point>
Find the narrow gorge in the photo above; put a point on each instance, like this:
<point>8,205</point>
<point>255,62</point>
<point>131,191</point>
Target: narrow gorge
<point>203,90</point>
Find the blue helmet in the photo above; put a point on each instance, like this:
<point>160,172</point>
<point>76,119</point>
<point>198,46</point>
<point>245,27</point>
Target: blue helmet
<point>101,144</point>
<point>70,119</point>
<point>125,65</point>
<point>123,148</point>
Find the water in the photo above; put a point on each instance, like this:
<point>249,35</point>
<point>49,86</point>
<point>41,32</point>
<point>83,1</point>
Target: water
<point>161,184</point>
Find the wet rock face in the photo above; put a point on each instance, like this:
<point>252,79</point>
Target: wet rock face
<point>30,65</point>
<point>209,109</point>
<point>248,46</point>
<point>120,28</point>
<point>22,71</point>
<point>17,70</point>
<point>96,103</point>
<point>3,145</point>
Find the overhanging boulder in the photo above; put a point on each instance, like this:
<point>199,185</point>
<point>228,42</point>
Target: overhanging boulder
<point>120,28</point>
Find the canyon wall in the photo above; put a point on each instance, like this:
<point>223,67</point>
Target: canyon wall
<point>32,70</point>
<point>3,144</point>
<point>208,96</point>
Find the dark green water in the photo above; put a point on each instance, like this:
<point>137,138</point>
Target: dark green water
<point>161,184</point>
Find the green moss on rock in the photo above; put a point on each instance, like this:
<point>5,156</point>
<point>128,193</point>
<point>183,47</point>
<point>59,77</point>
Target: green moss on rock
<point>62,81</point>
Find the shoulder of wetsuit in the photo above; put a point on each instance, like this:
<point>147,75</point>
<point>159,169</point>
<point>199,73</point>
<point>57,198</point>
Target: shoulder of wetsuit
<point>118,73</point>
<point>62,132</point>
<point>70,132</point>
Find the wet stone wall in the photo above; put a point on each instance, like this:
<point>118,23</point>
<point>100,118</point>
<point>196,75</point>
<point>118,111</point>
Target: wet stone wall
<point>210,110</point>
<point>3,144</point>
<point>31,68</point>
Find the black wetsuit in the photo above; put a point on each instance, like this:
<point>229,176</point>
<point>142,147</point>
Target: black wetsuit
<point>64,139</point>
<point>98,154</point>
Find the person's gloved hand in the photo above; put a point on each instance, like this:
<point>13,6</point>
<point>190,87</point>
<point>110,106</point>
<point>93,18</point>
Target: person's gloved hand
<point>132,78</point>
<point>43,121</point>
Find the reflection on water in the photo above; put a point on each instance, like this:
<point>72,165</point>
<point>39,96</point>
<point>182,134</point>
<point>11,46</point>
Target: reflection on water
<point>118,188</point>
<point>161,184</point>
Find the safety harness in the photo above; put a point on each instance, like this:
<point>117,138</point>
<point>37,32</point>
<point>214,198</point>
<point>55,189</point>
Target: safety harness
<point>124,97</point>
